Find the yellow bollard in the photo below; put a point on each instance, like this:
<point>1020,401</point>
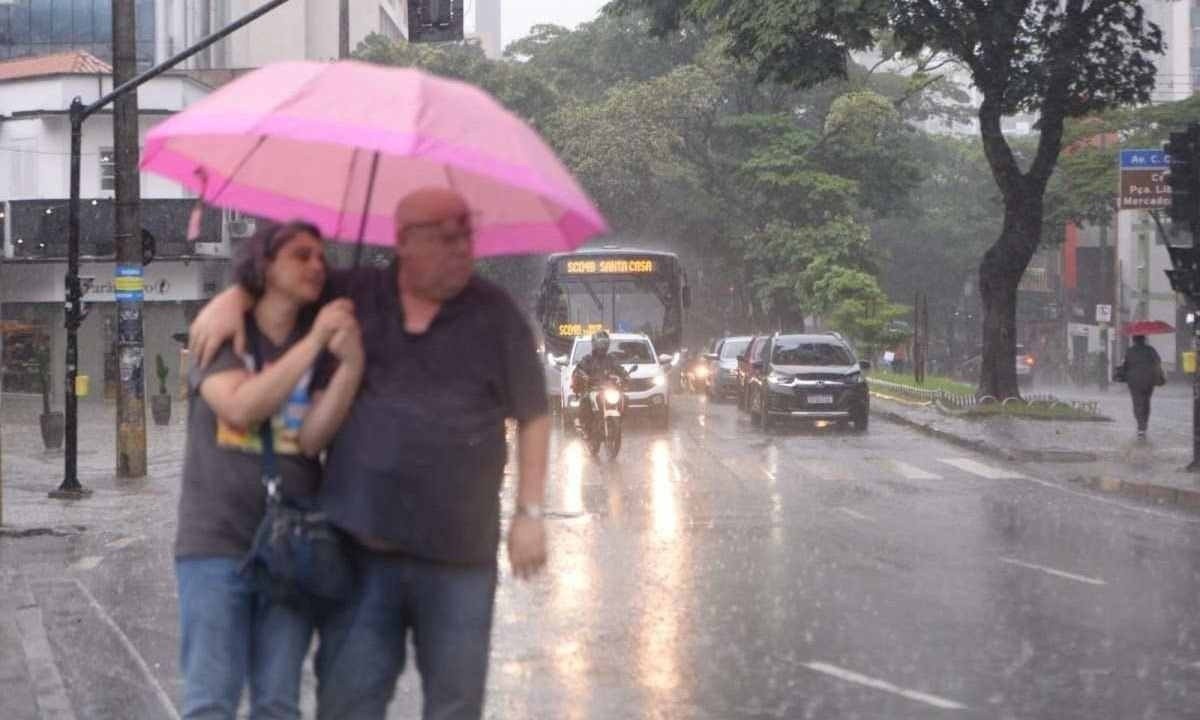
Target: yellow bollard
<point>1189,361</point>
<point>83,385</point>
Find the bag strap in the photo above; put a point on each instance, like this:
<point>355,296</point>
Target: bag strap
<point>271,477</point>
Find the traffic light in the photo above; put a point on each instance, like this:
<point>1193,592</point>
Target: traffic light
<point>435,21</point>
<point>1185,275</point>
<point>1184,176</point>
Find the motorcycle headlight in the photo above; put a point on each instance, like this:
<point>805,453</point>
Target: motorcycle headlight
<point>777,379</point>
<point>660,380</point>
<point>702,372</point>
<point>612,396</point>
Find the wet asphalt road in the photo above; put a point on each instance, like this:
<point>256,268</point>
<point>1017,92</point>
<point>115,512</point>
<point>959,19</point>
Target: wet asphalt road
<point>716,571</point>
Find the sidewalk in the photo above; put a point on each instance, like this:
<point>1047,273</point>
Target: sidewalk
<point>30,471</point>
<point>1105,456</point>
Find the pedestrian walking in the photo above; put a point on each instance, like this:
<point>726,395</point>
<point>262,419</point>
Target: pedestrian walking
<point>1142,372</point>
<point>233,634</point>
<point>415,472</point>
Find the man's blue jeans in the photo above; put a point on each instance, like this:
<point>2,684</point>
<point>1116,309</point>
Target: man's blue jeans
<point>362,649</point>
<point>233,634</point>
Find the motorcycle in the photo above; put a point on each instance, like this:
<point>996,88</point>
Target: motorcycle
<point>607,403</point>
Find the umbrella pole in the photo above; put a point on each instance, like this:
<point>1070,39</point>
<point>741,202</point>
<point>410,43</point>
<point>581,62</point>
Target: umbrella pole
<point>362,225</point>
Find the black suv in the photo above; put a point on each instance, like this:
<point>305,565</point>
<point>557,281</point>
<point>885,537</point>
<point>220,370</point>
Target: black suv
<point>807,377</point>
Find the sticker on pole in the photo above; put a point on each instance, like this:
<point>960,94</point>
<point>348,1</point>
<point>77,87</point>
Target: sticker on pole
<point>128,285</point>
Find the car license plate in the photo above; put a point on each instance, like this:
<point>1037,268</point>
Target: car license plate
<point>820,399</point>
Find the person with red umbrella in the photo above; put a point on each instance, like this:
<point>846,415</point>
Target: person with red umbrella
<point>1142,372</point>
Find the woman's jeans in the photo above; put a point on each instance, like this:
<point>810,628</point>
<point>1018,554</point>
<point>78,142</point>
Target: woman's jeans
<point>232,634</point>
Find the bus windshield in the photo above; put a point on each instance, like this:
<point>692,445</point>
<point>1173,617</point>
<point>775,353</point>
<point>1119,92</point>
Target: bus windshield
<point>581,306</point>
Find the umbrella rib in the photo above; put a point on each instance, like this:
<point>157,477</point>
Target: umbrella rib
<point>346,195</point>
<point>262,139</point>
<point>366,213</point>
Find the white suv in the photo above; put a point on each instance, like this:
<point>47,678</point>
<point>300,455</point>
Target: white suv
<point>648,388</point>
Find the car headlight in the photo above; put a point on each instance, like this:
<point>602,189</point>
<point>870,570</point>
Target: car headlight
<point>612,396</point>
<point>777,379</point>
<point>855,378</point>
<point>660,380</point>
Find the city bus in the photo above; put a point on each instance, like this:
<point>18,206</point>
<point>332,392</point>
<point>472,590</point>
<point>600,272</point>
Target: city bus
<point>618,290</point>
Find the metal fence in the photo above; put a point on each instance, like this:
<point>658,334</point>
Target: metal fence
<point>959,401</point>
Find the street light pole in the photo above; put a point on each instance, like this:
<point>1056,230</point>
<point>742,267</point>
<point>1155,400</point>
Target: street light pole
<point>71,487</point>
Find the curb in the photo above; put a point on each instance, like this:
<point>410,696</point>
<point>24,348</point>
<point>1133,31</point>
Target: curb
<point>1159,494</point>
<point>986,448</point>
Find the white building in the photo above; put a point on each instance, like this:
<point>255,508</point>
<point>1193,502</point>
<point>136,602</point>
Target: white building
<point>487,27</point>
<point>297,30</point>
<point>35,94</point>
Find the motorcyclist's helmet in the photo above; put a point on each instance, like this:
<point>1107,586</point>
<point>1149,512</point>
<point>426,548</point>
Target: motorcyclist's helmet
<point>600,344</point>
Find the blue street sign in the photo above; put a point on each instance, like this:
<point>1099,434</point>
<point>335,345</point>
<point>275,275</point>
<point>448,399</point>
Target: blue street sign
<point>1144,159</point>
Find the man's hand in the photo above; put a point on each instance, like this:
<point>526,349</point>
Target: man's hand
<point>527,546</point>
<point>218,321</point>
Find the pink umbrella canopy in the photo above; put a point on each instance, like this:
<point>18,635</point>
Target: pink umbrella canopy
<point>338,144</point>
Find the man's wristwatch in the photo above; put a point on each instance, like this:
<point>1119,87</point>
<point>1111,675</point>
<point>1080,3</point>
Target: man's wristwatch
<point>529,510</point>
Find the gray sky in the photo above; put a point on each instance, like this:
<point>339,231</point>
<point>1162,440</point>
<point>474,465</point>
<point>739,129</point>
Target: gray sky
<point>517,16</point>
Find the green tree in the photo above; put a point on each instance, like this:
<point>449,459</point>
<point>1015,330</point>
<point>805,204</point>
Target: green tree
<point>1057,58</point>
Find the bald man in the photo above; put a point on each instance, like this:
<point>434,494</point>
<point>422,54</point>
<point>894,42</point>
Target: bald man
<point>414,474</point>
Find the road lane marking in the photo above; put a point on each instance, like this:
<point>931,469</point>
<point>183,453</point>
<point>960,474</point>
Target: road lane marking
<point>122,543</point>
<point>107,619</point>
<point>912,472</point>
<point>856,514</point>
<point>1053,571</point>
<point>91,562</point>
<point>859,679</point>
<point>49,690</point>
<point>983,471</point>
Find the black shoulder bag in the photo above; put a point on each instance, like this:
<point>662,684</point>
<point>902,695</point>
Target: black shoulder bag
<point>298,556</point>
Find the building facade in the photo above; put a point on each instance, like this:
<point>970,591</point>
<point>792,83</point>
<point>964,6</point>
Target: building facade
<point>45,27</point>
<point>297,30</point>
<point>34,189</point>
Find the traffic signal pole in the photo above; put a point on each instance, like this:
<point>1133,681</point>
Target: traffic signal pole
<point>70,488</point>
<point>1183,150</point>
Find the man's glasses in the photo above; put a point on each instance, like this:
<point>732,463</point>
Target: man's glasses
<point>448,231</point>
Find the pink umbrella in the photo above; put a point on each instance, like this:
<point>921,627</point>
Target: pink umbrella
<point>338,144</point>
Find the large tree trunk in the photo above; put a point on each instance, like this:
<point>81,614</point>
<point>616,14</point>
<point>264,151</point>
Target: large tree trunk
<point>999,275</point>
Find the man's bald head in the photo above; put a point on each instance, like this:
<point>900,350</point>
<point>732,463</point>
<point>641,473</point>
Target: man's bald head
<point>434,243</point>
<point>429,205</point>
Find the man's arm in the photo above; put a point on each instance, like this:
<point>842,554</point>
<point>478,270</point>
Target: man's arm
<point>219,321</point>
<point>527,536</point>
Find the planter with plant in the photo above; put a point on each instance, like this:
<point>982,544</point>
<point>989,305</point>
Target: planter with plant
<point>160,404</point>
<point>53,423</point>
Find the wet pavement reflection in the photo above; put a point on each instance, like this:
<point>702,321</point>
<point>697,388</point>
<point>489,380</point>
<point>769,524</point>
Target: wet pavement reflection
<point>714,570</point>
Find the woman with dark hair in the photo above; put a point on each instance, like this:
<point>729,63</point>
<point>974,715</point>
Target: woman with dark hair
<point>233,634</point>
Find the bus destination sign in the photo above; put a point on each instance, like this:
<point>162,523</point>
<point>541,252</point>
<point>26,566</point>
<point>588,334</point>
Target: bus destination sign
<point>608,266</point>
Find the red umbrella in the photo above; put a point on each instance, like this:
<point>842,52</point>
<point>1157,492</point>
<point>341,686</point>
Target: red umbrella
<point>1147,327</point>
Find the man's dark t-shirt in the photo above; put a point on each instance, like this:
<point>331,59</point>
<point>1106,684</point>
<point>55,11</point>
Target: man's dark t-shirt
<point>223,498</point>
<point>419,461</point>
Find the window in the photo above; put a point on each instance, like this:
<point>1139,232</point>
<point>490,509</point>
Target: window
<point>733,348</point>
<point>792,352</point>
<point>108,169</point>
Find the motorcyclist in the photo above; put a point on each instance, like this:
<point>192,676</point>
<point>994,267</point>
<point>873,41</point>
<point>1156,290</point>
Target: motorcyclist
<point>597,367</point>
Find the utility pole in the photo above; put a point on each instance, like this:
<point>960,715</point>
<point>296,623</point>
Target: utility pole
<point>131,361</point>
<point>343,29</point>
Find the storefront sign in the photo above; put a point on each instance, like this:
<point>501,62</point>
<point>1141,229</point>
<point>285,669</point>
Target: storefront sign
<point>164,281</point>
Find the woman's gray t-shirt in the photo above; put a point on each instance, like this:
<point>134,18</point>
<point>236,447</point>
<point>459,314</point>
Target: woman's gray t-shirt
<point>223,498</point>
